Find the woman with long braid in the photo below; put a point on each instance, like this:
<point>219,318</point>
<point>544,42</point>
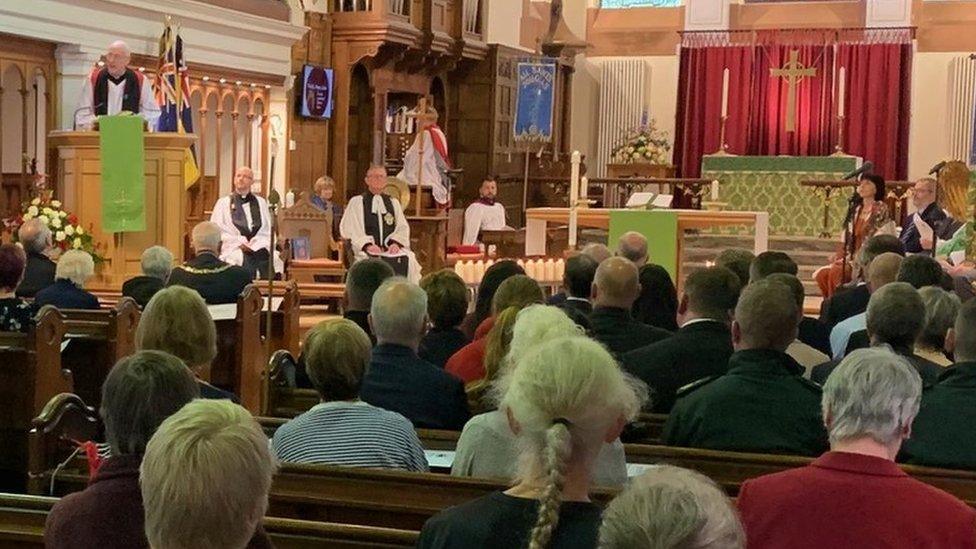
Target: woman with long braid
<point>564,400</point>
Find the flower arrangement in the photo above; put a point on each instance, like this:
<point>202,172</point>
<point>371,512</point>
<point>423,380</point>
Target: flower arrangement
<point>645,143</point>
<point>66,232</point>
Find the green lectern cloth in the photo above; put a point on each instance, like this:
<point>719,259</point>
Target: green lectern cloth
<point>123,174</point>
<point>660,227</point>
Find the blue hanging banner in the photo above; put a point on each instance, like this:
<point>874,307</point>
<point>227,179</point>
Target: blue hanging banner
<point>536,90</point>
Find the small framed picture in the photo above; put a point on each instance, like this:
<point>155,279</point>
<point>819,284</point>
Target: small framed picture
<point>299,248</point>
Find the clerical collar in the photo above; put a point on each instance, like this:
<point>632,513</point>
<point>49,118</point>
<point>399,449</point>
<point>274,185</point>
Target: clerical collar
<point>115,80</point>
<point>487,201</point>
<point>249,197</point>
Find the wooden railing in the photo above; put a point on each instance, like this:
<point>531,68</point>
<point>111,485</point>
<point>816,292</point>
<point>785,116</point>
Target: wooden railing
<point>395,7</point>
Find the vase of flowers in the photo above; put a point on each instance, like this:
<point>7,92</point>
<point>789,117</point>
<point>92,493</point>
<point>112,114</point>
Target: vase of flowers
<point>66,231</point>
<point>643,144</point>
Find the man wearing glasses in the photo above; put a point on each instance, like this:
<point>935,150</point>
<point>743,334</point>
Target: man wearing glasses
<point>926,211</point>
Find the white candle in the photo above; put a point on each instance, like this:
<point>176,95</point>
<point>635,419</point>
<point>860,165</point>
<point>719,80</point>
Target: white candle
<point>840,93</point>
<point>725,93</point>
<point>574,181</point>
<point>714,191</point>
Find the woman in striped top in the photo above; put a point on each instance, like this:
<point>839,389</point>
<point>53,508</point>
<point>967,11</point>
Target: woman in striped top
<point>342,430</point>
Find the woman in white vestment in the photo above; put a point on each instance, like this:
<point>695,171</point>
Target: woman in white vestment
<point>376,227</point>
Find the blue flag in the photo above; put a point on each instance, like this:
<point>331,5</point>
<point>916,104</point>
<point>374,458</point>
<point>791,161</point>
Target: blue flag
<point>173,96</point>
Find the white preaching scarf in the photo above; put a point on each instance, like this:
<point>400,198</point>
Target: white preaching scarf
<point>482,217</point>
<point>148,109</point>
<point>434,166</point>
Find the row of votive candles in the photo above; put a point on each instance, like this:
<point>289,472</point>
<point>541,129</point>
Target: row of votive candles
<point>546,271</point>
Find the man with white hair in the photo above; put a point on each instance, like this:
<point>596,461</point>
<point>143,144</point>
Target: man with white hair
<point>633,246</point>
<point>35,236</point>
<point>244,219</point>
<point>375,225</point>
<point>157,262</point>
<point>115,88</point>
<point>397,379</point>
<point>927,212</point>
<point>762,403</point>
<point>74,268</point>
<point>216,281</point>
<point>855,495</point>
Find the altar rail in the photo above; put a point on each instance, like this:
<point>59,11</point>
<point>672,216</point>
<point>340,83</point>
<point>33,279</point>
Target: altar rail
<point>618,189</point>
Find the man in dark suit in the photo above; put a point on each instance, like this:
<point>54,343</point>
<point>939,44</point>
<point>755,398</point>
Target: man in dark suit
<point>812,331</point>
<point>157,263</point>
<point>943,434</point>
<point>362,281</point>
<point>614,290</point>
<point>702,345</point>
<point>855,495</point>
<point>595,251</point>
<point>35,236</point>
<point>895,317</point>
<point>216,281</point>
<point>926,210</point>
<point>74,268</point>
<point>762,403</point>
<point>577,282</point>
<point>852,299</point>
<point>397,379</point>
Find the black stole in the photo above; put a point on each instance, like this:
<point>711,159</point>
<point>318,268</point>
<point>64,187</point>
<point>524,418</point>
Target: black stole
<point>371,225</point>
<point>130,96</point>
<point>237,215</point>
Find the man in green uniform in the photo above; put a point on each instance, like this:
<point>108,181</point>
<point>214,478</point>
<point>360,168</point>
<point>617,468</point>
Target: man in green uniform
<point>762,403</point>
<point>943,435</point>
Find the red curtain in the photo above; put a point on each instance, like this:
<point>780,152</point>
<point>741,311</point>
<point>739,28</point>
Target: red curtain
<point>814,104</point>
<point>878,104</point>
<point>700,103</point>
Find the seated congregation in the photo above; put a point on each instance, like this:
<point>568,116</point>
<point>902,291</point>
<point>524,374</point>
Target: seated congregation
<point>550,404</point>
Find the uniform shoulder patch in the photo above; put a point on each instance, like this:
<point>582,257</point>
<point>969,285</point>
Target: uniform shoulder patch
<point>694,385</point>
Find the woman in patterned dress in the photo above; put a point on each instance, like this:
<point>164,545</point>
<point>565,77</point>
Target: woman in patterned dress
<point>871,216</point>
<point>16,314</point>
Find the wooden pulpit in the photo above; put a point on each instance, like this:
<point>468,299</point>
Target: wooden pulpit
<point>79,187</point>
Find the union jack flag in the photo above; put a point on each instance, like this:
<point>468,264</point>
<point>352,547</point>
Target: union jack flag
<point>174,97</point>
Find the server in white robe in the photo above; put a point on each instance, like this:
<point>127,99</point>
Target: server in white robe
<point>115,88</point>
<point>434,159</point>
<point>485,214</point>
<point>245,225</point>
<point>376,227</point>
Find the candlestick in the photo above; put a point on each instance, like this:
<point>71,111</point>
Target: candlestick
<point>574,181</point>
<point>714,191</point>
<point>725,93</point>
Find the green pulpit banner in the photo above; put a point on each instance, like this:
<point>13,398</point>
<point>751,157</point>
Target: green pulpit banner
<point>660,227</point>
<point>123,174</point>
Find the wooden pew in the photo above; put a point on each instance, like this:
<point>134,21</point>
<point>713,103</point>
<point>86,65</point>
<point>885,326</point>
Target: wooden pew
<point>239,365</point>
<point>283,400</point>
<point>52,440</point>
<point>99,339</point>
<point>22,521</point>
<point>285,331</point>
<point>31,376</point>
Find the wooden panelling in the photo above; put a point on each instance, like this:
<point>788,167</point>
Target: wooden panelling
<point>309,160</point>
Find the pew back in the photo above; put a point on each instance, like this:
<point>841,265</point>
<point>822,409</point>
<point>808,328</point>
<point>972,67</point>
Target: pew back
<point>239,364</point>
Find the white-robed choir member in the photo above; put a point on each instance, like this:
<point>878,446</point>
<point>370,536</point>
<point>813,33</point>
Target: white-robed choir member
<point>245,225</point>
<point>115,88</point>
<point>435,160</point>
<point>485,214</point>
<point>375,225</point>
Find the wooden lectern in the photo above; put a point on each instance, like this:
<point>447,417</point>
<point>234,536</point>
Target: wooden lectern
<point>79,187</point>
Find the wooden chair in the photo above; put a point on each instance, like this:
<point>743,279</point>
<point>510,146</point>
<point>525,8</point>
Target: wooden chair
<point>53,438</point>
<point>455,236</point>
<point>303,220</point>
<point>31,376</point>
<point>239,364</point>
<point>99,339</point>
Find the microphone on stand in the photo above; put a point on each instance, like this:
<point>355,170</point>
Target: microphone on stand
<point>74,115</point>
<point>866,168</point>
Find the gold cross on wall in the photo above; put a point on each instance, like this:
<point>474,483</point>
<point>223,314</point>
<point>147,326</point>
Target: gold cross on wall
<point>794,72</point>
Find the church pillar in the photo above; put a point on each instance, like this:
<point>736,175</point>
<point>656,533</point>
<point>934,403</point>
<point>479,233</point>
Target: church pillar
<point>74,66</point>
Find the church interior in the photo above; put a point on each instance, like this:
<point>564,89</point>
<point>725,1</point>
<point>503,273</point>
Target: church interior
<point>608,155</point>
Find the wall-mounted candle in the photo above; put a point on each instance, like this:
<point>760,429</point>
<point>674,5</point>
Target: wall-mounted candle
<point>841,89</point>
<point>725,93</point>
<point>584,189</point>
<point>714,191</point>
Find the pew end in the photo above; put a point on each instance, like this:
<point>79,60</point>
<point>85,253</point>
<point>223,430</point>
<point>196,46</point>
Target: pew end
<point>65,421</point>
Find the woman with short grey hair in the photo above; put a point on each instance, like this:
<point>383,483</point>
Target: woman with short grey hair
<point>73,270</point>
<point>670,507</point>
<point>157,263</point>
<point>941,308</point>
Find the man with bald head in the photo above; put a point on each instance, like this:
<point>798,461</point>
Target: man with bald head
<point>376,227</point>
<point>615,288</point>
<point>217,282</point>
<point>633,246</point>
<point>115,88</point>
<point>244,219</point>
<point>882,270</point>
<point>927,211</point>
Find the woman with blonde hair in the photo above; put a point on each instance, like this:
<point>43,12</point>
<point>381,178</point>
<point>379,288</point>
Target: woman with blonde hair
<point>565,399</point>
<point>322,190</point>
<point>669,507</point>
<point>479,359</point>
<point>487,446</point>
<point>176,321</point>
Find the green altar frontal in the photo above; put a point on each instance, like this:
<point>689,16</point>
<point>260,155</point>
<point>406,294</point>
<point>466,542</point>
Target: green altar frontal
<point>772,184</point>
